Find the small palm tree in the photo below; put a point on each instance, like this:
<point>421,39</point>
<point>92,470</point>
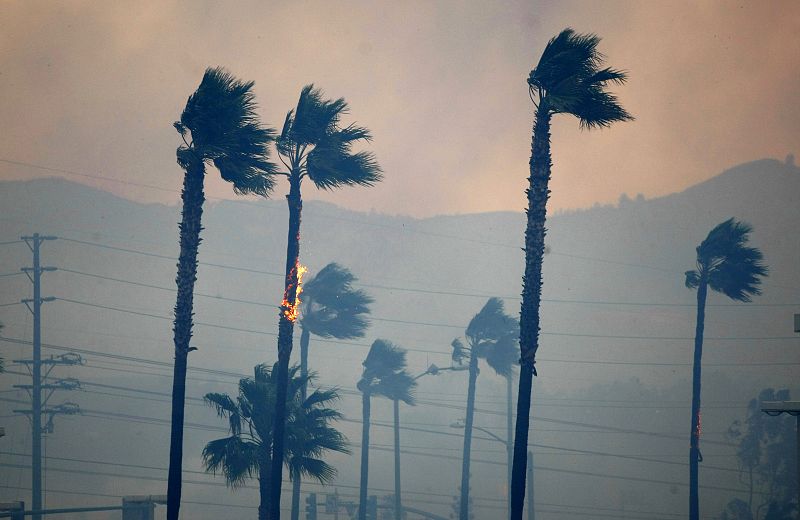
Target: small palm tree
<point>384,375</point>
<point>313,144</point>
<point>247,452</point>
<point>219,126</point>
<point>490,336</point>
<point>331,309</point>
<point>728,265</point>
<point>567,80</point>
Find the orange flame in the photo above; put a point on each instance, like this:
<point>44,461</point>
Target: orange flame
<point>289,310</point>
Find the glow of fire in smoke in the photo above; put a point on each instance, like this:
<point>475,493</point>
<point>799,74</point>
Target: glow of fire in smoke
<point>291,311</point>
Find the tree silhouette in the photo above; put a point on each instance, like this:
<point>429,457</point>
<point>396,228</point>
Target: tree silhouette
<point>331,309</point>
<point>726,264</point>
<point>491,335</point>
<point>247,452</point>
<point>384,375</point>
<point>219,126</point>
<point>312,144</point>
<point>765,449</point>
<point>567,80</point>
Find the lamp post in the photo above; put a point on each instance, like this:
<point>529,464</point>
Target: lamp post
<point>776,408</point>
<point>509,452</point>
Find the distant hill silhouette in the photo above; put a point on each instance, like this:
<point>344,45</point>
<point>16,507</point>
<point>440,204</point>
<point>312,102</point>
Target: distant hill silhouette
<point>428,277</point>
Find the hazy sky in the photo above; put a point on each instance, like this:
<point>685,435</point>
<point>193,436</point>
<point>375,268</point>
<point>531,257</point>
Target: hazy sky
<point>93,87</point>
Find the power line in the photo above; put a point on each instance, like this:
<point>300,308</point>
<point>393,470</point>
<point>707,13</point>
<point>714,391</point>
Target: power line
<point>430,403</point>
<point>424,291</point>
<point>564,334</point>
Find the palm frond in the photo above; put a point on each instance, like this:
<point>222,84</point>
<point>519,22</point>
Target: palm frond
<point>597,108</point>
<point>312,468</point>
<point>569,79</point>
<point>330,165</point>
<point>236,459</point>
<point>397,386</point>
<point>504,354</point>
<point>692,279</point>
<point>315,117</point>
<point>332,307</point>
<point>226,408</point>
<point>728,263</point>
<point>221,118</point>
<point>490,323</point>
<point>460,353</point>
<point>384,357</point>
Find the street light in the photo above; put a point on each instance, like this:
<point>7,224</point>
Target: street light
<point>775,408</point>
<point>433,370</point>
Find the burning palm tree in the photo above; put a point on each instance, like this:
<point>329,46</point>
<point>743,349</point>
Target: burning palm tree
<point>219,126</point>
<point>569,79</point>
<point>313,144</point>
<point>331,309</point>
<point>728,265</point>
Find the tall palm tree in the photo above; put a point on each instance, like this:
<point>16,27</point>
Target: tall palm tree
<point>568,79</point>
<point>728,265</point>
<point>384,375</point>
<point>247,452</point>
<point>331,309</point>
<point>491,336</point>
<point>219,125</point>
<point>313,144</point>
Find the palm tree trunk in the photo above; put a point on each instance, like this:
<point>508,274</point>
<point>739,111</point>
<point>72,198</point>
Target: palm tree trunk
<point>398,506</point>
<point>190,227</point>
<point>285,332</point>
<point>296,496</point>
<point>694,434</point>
<point>305,338</point>
<point>362,488</point>
<point>463,510</point>
<point>538,193</point>
<point>263,490</point>
<point>509,438</point>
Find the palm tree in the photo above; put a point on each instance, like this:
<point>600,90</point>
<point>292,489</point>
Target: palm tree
<point>312,144</point>
<point>384,375</point>
<point>728,265</point>
<point>568,79</point>
<point>218,125</point>
<point>490,335</point>
<point>331,309</point>
<point>247,452</point>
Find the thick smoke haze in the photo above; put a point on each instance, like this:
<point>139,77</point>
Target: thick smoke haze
<point>90,91</point>
<point>94,86</point>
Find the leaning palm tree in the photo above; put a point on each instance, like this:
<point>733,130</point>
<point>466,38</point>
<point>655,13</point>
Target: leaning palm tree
<point>332,308</point>
<point>490,335</point>
<point>384,375</point>
<point>219,126</point>
<point>728,265</point>
<point>313,144</point>
<point>568,79</point>
<point>247,452</point>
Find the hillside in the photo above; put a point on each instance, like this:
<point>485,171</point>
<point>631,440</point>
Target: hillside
<point>613,294</point>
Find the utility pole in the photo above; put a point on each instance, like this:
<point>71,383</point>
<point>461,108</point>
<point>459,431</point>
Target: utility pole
<point>34,366</point>
<point>531,501</point>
